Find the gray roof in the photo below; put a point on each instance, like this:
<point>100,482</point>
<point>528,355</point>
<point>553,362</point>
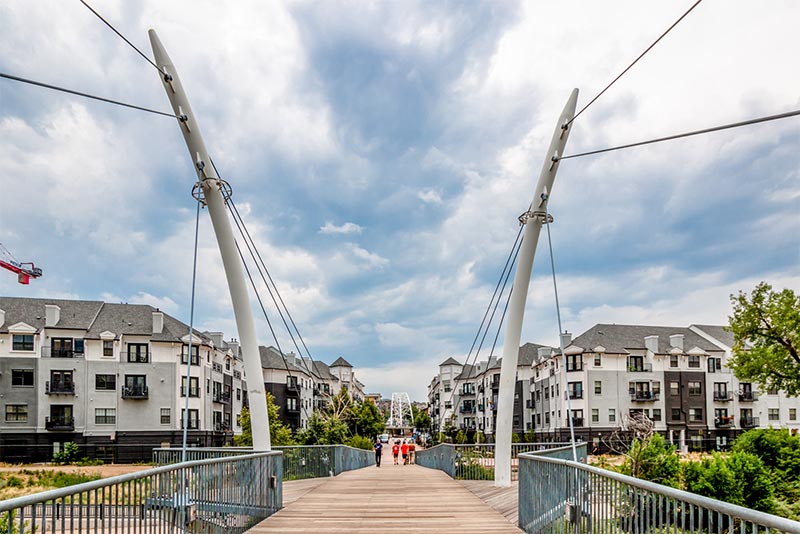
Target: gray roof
<point>94,317</point>
<point>449,361</point>
<point>720,333</point>
<point>529,353</point>
<point>272,359</point>
<point>75,314</point>
<point>340,362</point>
<point>323,371</point>
<point>618,338</point>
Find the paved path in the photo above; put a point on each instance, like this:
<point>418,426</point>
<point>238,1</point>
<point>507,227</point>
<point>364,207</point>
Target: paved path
<point>404,498</point>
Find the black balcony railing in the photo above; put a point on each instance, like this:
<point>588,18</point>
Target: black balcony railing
<point>726,421</point>
<point>644,396</point>
<point>576,394</point>
<point>222,427</point>
<point>293,409</point>
<point>135,392</point>
<point>723,396</point>
<point>496,384</point>
<point>467,392</point>
<point>59,388</point>
<point>194,424</point>
<point>222,397</point>
<point>640,368</point>
<point>576,421</point>
<point>529,403</point>
<point>467,409</point>
<point>50,352</point>
<point>748,422</point>
<point>748,396</point>
<point>59,422</point>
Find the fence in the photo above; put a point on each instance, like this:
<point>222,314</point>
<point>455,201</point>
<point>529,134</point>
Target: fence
<point>299,462</point>
<point>561,496</point>
<point>214,496</point>
<point>476,462</point>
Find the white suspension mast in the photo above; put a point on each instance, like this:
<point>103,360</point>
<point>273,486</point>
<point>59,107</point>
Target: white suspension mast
<point>533,219</point>
<point>214,192</point>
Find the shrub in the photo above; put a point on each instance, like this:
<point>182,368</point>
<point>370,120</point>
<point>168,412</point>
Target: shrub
<point>360,442</point>
<point>655,460</point>
<point>67,454</point>
<point>740,478</point>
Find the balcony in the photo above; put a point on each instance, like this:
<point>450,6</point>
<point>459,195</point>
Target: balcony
<point>293,409</point>
<point>496,384</point>
<point>222,427</point>
<point>135,392</point>
<point>723,396</point>
<point>59,422</point>
<point>748,396</point>
<point>194,424</point>
<point>641,368</point>
<point>481,408</point>
<point>748,422</point>
<point>529,403</point>
<point>59,388</point>
<point>576,422</point>
<point>222,398</point>
<point>725,421</point>
<point>576,394</point>
<point>470,426</point>
<point>49,352</point>
<point>467,409</point>
<point>468,392</point>
<point>293,387</point>
<point>644,396</point>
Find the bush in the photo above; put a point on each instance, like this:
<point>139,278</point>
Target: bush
<point>777,448</point>
<point>360,442</point>
<point>740,478</point>
<point>653,459</point>
<point>67,454</point>
<point>86,461</point>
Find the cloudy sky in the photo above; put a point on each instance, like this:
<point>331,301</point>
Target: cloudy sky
<point>380,153</point>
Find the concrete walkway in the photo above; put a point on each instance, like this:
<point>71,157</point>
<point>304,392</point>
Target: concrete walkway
<point>403,498</point>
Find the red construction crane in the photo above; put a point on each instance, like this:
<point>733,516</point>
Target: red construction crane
<point>24,270</point>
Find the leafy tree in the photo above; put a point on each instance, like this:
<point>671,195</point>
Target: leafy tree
<point>68,453</point>
<point>766,330</point>
<point>422,421</point>
<point>777,448</point>
<point>460,438</point>
<point>653,459</point>
<point>280,433</point>
<point>360,442</point>
<point>530,436</point>
<point>740,478</point>
<point>367,419</point>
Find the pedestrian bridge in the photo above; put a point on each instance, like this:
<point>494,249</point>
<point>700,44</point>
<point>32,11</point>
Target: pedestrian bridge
<point>337,489</point>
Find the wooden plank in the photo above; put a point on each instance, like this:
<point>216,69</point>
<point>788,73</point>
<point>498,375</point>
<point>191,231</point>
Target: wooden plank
<point>409,498</point>
<point>504,500</point>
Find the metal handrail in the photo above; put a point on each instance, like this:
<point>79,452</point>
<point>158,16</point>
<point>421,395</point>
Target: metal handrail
<point>566,502</point>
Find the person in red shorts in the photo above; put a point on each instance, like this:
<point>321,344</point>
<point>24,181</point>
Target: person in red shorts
<point>395,451</point>
<point>404,452</point>
<point>412,448</point>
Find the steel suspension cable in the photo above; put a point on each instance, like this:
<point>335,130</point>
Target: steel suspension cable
<point>98,15</point>
<point>621,74</point>
<point>749,122</point>
<point>191,336</point>
<point>85,95</point>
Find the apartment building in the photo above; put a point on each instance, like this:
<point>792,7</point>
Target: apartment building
<point>112,377</point>
<point>676,376</point>
<point>464,397</point>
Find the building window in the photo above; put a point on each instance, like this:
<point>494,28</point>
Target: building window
<point>674,388</point>
<point>676,414</point>
<point>135,386</point>
<point>612,415</point>
<point>22,342</point>
<point>22,377</point>
<point>194,420</point>
<point>194,386</point>
<point>547,418</point>
<point>195,354</point>
<point>227,364</point>
<point>291,405</point>
<point>137,353</point>
<point>16,413</point>
<point>598,387</point>
<point>108,348</point>
<point>238,394</point>
<point>695,388</point>
<point>714,365</point>
<point>574,362</point>
<point>105,416</point>
<point>774,414</point>
<point>166,416</point>
<point>694,361</point>
<point>656,414</point>
<point>595,415</point>
<point>575,390</point>
<point>447,387</point>
<point>695,415</point>
<point>673,360</point>
<point>598,360</point>
<point>105,382</point>
<point>792,414</point>
<point>61,382</point>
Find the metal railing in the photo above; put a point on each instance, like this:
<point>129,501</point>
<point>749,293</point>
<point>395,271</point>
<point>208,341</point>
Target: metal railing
<point>50,352</point>
<point>299,462</point>
<point>135,392</point>
<point>562,496</point>
<point>59,388</point>
<point>476,462</point>
<point>219,495</point>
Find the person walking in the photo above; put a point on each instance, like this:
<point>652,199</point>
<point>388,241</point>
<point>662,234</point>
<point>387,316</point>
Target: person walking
<point>404,452</point>
<point>378,446</point>
<point>395,451</point>
<point>412,449</point>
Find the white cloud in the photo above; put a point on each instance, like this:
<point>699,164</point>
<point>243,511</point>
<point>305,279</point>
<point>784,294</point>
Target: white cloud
<point>429,196</point>
<point>346,228</point>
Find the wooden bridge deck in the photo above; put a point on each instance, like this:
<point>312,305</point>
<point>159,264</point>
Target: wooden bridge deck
<point>404,498</point>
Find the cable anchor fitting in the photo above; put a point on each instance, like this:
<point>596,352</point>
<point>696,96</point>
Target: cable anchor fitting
<point>198,190</point>
<point>541,216</point>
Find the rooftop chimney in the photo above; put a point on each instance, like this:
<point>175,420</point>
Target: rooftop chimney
<point>544,352</point>
<point>52,314</point>
<point>234,345</point>
<point>651,343</point>
<point>676,341</point>
<point>290,358</point>
<point>2,317</point>
<point>216,337</point>
<point>158,322</point>
<point>566,339</point>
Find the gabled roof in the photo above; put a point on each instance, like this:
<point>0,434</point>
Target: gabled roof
<point>75,314</point>
<point>720,333</point>
<point>340,362</point>
<point>529,353</point>
<point>272,359</point>
<point>137,319</point>
<point>619,338</point>
<point>449,361</point>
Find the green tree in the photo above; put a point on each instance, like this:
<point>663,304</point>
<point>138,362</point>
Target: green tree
<point>766,331</point>
<point>653,459</point>
<point>422,421</point>
<point>368,419</point>
<point>280,433</point>
<point>740,478</point>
